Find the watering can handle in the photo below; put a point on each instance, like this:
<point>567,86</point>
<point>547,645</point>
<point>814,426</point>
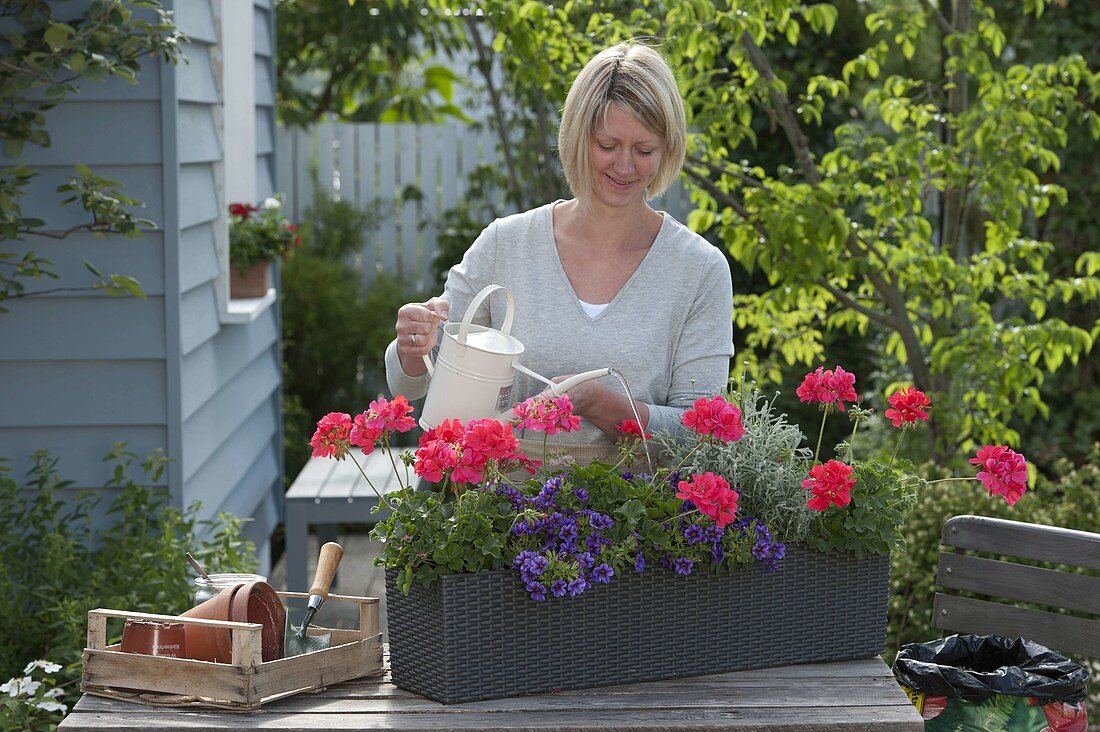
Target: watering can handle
<point>481,297</point>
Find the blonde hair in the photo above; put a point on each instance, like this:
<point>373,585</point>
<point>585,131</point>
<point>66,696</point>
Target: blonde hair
<point>638,79</point>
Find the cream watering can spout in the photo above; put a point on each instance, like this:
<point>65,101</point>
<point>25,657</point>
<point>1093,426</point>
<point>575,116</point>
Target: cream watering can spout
<point>474,370</point>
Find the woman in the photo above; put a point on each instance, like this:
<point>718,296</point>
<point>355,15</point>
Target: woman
<point>601,279</point>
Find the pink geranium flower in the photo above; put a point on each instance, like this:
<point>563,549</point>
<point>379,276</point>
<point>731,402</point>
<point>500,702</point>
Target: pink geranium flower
<point>333,436</point>
<point>712,495</point>
<point>907,406</point>
<point>435,458</point>
<point>366,432</point>
<point>1004,472</point>
<point>715,416</point>
<point>829,484</point>
<point>631,427</point>
<point>828,388</point>
<point>547,414</point>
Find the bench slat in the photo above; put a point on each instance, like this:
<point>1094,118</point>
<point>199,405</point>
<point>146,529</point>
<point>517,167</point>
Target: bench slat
<point>1062,633</point>
<point>1019,582</point>
<point>314,475</point>
<point>1024,540</point>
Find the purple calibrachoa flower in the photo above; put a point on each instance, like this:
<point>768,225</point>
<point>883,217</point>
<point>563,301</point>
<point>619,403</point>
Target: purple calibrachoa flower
<point>693,534</point>
<point>577,586</point>
<point>603,573</point>
<point>580,494</point>
<point>558,588</point>
<point>683,565</point>
<point>717,553</point>
<point>600,521</point>
<point>537,590</point>
<point>639,562</point>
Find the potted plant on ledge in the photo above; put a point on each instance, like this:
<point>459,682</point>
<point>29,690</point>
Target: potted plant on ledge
<point>257,237</point>
<point>742,549</point>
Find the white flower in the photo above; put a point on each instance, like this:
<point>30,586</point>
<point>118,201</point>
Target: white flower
<point>54,693</point>
<point>47,666</point>
<point>51,706</point>
<point>272,202</point>
<point>25,686</point>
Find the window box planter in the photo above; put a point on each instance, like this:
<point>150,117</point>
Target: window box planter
<point>480,636</point>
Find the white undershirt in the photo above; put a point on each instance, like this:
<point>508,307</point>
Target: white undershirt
<point>590,309</point>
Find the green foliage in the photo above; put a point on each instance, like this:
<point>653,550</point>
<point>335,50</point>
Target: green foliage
<point>42,57</point>
<point>54,568</point>
<point>766,466</point>
<point>1070,499</point>
<point>912,214</point>
<point>427,534</point>
<point>364,65</point>
<point>260,234</point>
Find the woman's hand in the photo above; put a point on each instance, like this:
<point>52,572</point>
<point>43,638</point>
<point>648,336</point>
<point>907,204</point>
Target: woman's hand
<point>416,327</point>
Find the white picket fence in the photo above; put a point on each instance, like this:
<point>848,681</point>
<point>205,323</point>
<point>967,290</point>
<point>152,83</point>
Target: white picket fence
<point>368,162</point>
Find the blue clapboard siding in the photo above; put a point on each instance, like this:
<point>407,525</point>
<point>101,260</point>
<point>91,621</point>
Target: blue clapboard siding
<point>230,402</point>
<point>263,36</point>
<point>80,371</point>
<point>80,449</point>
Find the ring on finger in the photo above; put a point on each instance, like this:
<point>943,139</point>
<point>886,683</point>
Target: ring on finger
<point>412,338</point>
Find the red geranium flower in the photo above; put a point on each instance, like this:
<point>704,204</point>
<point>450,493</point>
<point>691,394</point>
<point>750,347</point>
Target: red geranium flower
<point>712,495</point>
<point>1004,472</point>
<point>830,483</point>
<point>832,387</point>
<point>908,406</point>
<point>244,210</point>
<point>631,427</point>
<point>715,416</point>
<point>333,436</point>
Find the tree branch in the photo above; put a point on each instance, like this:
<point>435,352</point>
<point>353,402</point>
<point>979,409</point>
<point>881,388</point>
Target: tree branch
<point>943,23</point>
<point>92,226</point>
<point>800,144</point>
<point>484,64</point>
<point>852,303</point>
<point>718,169</point>
<point>726,199</point>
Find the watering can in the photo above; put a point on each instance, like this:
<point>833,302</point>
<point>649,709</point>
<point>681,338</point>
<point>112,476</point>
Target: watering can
<point>474,369</point>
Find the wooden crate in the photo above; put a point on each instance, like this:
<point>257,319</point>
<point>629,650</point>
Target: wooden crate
<point>243,684</point>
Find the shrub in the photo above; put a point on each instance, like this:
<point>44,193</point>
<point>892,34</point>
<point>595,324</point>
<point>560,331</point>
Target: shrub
<point>55,564</point>
<point>335,330</point>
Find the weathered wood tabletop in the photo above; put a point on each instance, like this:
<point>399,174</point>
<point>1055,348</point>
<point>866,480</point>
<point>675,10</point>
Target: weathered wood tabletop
<point>827,696</point>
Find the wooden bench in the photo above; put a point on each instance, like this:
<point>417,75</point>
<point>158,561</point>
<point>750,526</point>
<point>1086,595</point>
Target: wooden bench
<point>1006,580</point>
<point>330,492</point>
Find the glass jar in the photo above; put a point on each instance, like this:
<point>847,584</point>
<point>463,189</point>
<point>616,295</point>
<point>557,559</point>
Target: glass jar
<point>207,588</point>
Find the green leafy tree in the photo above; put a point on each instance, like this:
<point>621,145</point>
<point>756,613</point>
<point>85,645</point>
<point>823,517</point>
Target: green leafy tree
<point>43,56</point>
<point>364,62</point>
<point>912,224</point>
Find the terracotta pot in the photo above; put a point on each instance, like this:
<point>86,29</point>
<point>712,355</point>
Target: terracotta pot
<point>153,638</point>
<point>253,282</point>
<point>257,602</point>
<point>254,602</point>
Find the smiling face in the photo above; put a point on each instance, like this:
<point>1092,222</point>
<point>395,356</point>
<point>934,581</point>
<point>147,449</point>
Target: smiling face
<point>626,156</point>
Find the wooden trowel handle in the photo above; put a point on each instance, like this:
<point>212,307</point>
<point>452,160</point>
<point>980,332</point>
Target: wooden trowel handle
<point>331,554</point>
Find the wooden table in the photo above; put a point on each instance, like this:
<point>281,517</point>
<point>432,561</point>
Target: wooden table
<point>854,695</point>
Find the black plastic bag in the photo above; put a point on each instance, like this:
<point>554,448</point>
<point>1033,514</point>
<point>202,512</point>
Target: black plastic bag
<point>980,682</point>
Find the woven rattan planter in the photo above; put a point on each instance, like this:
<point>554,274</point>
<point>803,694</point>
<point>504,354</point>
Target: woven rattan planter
<point>479,636</point>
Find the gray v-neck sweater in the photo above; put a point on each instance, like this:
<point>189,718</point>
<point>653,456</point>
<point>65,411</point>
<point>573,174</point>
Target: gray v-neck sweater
<point>669,329</point>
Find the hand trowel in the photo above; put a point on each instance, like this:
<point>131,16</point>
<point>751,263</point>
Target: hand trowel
<point>297,640</point>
